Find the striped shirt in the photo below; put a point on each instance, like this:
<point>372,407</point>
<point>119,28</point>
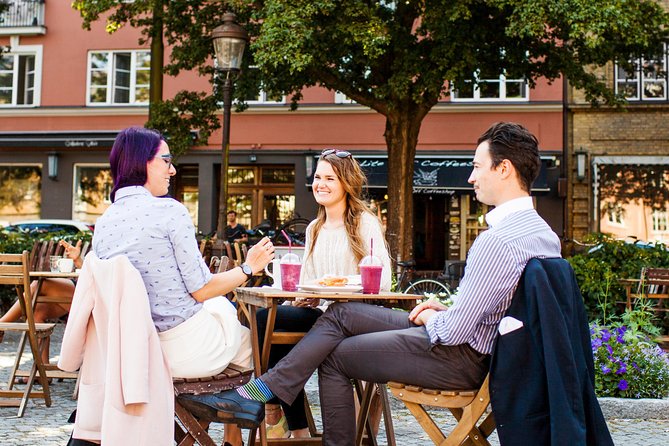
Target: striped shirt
<point>495,263</point>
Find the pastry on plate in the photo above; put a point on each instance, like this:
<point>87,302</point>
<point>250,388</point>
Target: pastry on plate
<point>333,281</point>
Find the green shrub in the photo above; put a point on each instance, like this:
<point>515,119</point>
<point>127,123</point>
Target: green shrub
<point>600,268</point>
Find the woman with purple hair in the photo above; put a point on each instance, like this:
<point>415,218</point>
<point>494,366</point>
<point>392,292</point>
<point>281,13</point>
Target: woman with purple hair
<point>198,327</point>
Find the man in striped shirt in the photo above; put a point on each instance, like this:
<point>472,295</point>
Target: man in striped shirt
<point>433,346</point>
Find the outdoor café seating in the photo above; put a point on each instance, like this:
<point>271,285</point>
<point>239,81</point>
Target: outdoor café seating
<point>14,270</point>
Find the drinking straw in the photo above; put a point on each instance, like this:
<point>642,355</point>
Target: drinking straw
<point>371,248</point>
<point>290,243</point>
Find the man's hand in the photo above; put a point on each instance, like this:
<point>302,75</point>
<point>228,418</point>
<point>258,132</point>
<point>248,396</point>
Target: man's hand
<point>425,310</point>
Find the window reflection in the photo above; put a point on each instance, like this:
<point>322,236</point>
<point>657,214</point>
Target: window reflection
<point>20,192</point>
<point>92,188</point>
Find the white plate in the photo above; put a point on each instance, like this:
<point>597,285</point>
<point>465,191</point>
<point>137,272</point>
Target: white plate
<point>330,289</point>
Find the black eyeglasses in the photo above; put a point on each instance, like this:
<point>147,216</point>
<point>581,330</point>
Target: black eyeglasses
<point>167,158</point>
<point>338,153</point>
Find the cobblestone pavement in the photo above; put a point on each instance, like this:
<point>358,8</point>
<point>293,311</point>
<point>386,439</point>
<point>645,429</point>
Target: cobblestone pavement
<point>47,426</point>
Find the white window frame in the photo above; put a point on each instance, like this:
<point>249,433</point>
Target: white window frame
<point>502,81</point>
<point>341,98</point>
<point>110,78</point>
<point>640,78</point>
<point>660,220</point>
<point>25,50</point>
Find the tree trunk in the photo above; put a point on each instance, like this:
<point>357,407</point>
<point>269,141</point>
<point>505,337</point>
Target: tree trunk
<point>402,128</point>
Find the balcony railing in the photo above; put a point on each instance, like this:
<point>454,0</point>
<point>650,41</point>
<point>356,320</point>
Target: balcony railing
<point>23,17</point>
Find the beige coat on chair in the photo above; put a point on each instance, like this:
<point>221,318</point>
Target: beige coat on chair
<point>126,395</point>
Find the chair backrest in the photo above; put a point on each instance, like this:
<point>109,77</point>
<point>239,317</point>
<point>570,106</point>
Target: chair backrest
<point>42,250</point>
<point>85,248</point>
<point>225,264</point>
<point>653,283</point>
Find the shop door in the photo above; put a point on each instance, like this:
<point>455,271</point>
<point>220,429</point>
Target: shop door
<point>429,231</point>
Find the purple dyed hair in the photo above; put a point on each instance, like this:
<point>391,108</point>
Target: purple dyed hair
<point>132,149</point>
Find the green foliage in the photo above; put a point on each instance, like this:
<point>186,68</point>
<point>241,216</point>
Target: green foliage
<point>17,242</point>
<point>598,271</point>
<point>628,364</point>
<point>177,118</point>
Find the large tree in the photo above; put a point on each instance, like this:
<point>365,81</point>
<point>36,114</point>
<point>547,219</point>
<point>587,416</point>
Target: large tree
<point>401,57</point>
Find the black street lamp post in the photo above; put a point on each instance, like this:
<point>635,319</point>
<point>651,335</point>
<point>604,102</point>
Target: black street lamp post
<point>229,42</point>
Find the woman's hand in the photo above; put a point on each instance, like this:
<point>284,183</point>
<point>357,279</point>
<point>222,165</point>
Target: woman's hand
<point>260,255</point>
<point>73,252</point>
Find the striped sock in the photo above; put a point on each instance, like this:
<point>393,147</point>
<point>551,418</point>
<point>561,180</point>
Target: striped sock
<point>256,390</point>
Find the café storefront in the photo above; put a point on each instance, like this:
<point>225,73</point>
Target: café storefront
<point>447,217</point>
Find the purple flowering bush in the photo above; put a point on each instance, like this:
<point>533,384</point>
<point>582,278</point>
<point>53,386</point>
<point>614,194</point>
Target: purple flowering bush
<point>628,364</point>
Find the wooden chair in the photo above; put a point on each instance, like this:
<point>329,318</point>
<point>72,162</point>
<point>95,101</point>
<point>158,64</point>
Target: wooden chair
<point>653,283</point>
<point>467,406</point>
<point>39,261</point>
<point>187,428</point>
<point>14,270</point>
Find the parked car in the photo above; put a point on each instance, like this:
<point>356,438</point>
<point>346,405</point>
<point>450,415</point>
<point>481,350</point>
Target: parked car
<point>47,226</point>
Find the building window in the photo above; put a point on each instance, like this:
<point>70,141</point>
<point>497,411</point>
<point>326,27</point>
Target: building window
<point>659,221</point>
<point>493,88</point>
<point>118,77</point>
<point>20,192</point>
<point>647,80</point>
<point>92,188</point>
<point>616,214</point>
<point>261,193</point>
<point>260,96</point>
<point>341,98</point>
<point>633,197</point>
<point>17,79</point>
<point>186,190</point>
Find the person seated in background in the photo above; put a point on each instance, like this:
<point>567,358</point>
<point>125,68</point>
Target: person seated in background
<point>50,288</point>
<point>235,232</point>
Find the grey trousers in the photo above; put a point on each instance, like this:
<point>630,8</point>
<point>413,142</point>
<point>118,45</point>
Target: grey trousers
<point>358,341</point>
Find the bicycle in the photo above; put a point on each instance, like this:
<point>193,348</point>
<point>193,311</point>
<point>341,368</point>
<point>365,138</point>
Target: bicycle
<point>421,287</point>
<point>295,228</point>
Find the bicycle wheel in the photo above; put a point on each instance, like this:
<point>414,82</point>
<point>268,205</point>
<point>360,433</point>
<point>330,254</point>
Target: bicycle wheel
<point>427,286</point>
<point>296,230</point>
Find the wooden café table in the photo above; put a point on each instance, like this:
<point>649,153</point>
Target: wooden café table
<point>253,298</point>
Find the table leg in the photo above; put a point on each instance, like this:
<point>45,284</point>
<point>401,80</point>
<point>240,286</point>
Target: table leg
<point>269,331</point>
<point>387,419</point>
<point>363,424</point>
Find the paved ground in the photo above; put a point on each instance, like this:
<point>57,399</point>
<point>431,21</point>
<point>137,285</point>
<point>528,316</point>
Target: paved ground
<point>47,426</point>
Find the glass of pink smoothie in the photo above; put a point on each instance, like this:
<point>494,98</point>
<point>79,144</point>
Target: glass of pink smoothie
<point>371,269</point>
<point>290,271</point>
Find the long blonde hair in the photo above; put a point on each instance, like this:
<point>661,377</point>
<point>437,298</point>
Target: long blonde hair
<point>352,178</point>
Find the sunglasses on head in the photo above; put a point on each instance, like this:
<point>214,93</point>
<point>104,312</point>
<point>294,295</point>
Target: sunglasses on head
<point>336,152</point>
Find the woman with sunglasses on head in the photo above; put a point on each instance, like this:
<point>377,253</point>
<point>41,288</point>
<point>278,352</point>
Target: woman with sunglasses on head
<point>336,241</point>
<point>197,326</point>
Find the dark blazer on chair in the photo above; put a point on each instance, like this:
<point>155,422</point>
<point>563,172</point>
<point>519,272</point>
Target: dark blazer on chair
<point>542,374</point>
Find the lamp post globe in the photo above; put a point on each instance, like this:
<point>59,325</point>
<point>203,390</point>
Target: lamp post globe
<point>229,40</point>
